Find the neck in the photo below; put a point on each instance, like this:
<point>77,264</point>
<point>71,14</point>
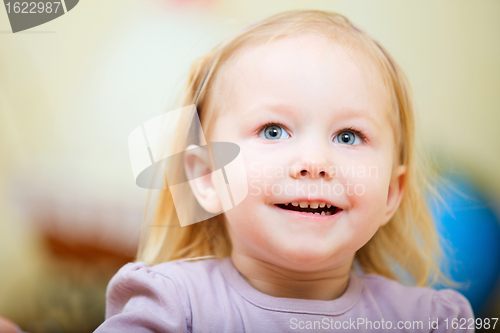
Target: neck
<point>327,284</point>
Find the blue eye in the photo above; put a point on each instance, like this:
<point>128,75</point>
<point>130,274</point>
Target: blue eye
<point>347,138</point>
<point>274,132</point>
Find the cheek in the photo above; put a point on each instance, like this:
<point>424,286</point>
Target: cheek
<point>264,175</point>
<point>369,189</point>
<point>250,227</point>
<point>249,219</point>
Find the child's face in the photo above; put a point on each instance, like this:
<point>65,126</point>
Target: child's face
<point>315,93</point>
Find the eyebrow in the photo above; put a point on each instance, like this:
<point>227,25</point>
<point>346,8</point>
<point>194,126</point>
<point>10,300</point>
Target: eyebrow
<point>279,108</point>
<point>355,113</point>
<point>283,109</point>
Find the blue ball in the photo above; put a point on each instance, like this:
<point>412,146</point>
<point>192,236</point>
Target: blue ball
<point>470,233</point>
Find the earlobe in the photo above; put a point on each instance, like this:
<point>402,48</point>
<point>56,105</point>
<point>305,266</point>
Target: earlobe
<point>395,193</point>
<point>198,170</point>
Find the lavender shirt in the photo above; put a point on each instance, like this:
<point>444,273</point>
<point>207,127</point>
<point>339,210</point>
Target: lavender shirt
<point>212,296</point>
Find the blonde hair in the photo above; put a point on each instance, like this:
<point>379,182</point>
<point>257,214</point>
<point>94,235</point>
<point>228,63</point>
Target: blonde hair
<point>406,246</point>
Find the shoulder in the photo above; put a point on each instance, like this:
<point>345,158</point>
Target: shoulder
<point>156,296</point>
<point>138,297</point>
<point>141,285</point>
<point>448,304</point>
<point>188,268</point>
<point>167,279</point>
<point>170,270</point>
<point>402,301</point>
<point>388,289</point>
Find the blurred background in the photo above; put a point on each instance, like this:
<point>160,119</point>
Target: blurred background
<point>73,89</point>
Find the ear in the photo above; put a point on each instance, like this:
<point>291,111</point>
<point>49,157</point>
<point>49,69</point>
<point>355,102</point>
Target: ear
<point>198,169</point>
<point>395,194</point>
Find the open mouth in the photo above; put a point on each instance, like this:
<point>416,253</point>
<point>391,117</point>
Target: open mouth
<point>308,208</point>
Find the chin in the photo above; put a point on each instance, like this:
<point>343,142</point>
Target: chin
<point>310,255</point>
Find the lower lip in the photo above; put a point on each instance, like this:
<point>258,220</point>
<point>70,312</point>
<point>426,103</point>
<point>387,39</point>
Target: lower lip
<point>311,216</point>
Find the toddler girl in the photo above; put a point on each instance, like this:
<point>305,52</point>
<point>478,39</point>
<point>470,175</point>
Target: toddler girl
<point>335,214</point>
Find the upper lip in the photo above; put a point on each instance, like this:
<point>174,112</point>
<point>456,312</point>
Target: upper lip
<point>308,200</point>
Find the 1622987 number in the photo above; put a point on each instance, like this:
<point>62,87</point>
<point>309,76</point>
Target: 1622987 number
<point>32,7</point>
<point>470,323</point>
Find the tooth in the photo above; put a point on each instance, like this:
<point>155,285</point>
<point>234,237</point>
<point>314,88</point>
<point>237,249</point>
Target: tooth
<point>286,204</point>
<point>328,213</point>
<point>328,205</point>
<point>303,204</point>
<point>314,204</point>
<point>295,204</point>
<point>322,204</point>
<point>317,213</point>
<point>323,213</point>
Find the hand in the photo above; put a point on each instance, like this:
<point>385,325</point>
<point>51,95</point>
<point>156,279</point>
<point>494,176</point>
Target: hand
<point>7,326</point>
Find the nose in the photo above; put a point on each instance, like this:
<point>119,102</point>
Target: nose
<point>313,170</point>
<point>312,163</point>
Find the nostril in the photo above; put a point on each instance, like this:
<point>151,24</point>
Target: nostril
<point>322,173</point>
<point>303,173</point>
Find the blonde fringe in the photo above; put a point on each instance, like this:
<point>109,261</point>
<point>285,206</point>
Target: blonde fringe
<point>408,244</point>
